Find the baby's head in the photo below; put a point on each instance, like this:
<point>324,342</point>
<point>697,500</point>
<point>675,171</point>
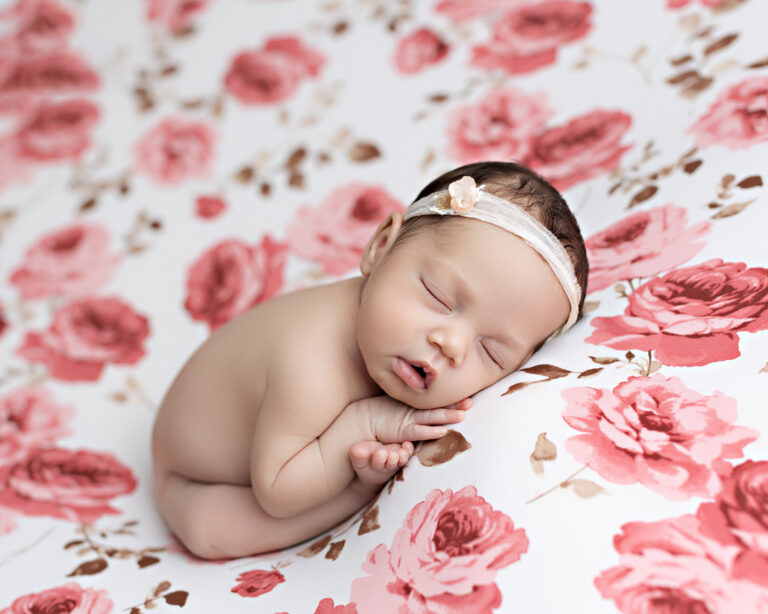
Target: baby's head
<point>453,300</point>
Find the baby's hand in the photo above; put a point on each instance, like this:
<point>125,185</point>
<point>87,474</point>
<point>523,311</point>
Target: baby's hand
<point>394,422</point>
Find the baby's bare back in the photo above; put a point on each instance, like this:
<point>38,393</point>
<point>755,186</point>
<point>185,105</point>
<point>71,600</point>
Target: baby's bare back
<point>205,425</point>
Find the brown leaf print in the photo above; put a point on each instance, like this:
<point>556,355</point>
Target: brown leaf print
<point>89,568</point>
<point>751,182</point>
<point>161,588</point>
<point>583,488</point>
<point>590,306</point>
<point>363,152</point>
<point>764,369</point>
<point>315,548</point>
<point>439,451</point>
<point>607,360</point>
<point>588,372</point>
<point>732,209</point>
<point>721,43</point>
<point>370,521</point>
<point>335,550</point>
<point>544,450</point>
<point>147,560</point>
<point>549,371</point>
<point>643,195</point>
<point>519,386</point>
<point>178,598</point>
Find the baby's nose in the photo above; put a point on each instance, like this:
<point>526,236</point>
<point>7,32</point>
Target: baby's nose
<point>452,342</point>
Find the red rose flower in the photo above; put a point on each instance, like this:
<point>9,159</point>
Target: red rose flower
<point>74,485</point>
<point>43,25</point>
<point>70,598</point>
<point>75,260</point>
<point>335,233</point>
<point>175,149</point>
<point>527,38</point>
<point>655,431</point>
<point>643,244</point>
<point>174,15</point>
<point>57,130</point>
<point>583,148</point>
<point>257,582</point>
<point>738,118</point>
<point>498,127</point>
<point>739,516</point>
<point>418,50</point>
<point>690,316</point>
<point>231,277</point>
<point>85,335</point>
<point>209,206</point>
<point>671,564</point>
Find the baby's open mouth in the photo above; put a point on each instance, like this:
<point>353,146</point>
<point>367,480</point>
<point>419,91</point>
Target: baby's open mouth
<point>416,376</point>
<point>420,371</point>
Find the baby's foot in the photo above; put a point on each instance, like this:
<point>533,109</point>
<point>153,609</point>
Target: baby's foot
<point>376,462</point>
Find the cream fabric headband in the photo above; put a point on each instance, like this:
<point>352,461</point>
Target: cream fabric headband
<point>464,198</point>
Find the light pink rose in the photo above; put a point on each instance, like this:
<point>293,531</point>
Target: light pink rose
<point>739,516</point>
<point>74,485</point>
<point>30,416</point>
<point>498,127</point>
<point>444,558</point>
<point>175,150</point>
<point>257,582</point>
<point>583,148</point>
<point>86,334</point>
<point>273,73</point>
<point>461,10</point>
<point>690,316</point>
<point>738,118</point>
<point>231,277</point>
<point>418,50</point>
<point>643,244</point>
<point>41,25</point>
<point>335,232</point>
<point>670,566</point>
<point>70,598</point>
<point>655,431</point>
<point>75,260</point>
<point>174,15</point>
<point>57,130</point>
<point>527,38</point>
<point>326,607</point>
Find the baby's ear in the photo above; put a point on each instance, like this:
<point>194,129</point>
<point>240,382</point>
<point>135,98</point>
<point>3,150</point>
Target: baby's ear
<point>381,241</point>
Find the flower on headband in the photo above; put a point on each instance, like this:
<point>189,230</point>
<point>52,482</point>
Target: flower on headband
<point>464,194</point>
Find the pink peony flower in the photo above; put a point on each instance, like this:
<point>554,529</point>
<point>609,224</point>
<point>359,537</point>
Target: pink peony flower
<point>175,150</point>
<point>257,582</point>
<point>443,559</point>
<point>643,244</point>
<point>57,130</point>
<point>75,260</point>
<point>739,516</point>
<point>231,277</point>
<point>74,485</point>
<point>671,566</point>
<point>69,597</point>
<point>174,15</point>
<point>527,38</point>
<point>655,431</point>
<point>583,148</point>
<point>738,118</point>
<point>418,50</point>
<point>335,233</point>
<point>690,316</point>
<point>85,335</point>
<point>498,127</point>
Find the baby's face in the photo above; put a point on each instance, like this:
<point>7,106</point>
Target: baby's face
<point>451,311</point>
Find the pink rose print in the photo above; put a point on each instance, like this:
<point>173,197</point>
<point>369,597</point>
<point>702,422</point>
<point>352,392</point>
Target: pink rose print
<point>75,260</point>
<point>739,517</point>
<point>231,277</point>
<point>85,335</point>
<point>671,566</point>
<point>527,37</point>
<point>42,25</point>
<point>209,207</point>
<point>443,559</point>
<point>57,130</point>
<point>461,10</point>
<point>174,15</point>
<point>583,148</point>
<point>74,485</point>
<point>7,521</point>
<point>257,582</point>
<point>738,118</point>
<point>643,244</point>
<point>418,50</point>
<point>335,233</point>
<point>690,316</point>
<point>498,127</point>
<point>175,149</point>
<point>70,598</point>
<point>676,4</point>
<point>326,607</point>
<point>273,73</point>
<point>655,431</point>
<point>30,416</point>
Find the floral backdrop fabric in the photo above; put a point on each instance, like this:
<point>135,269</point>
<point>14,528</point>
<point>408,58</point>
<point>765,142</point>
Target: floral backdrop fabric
<point>167,164</point>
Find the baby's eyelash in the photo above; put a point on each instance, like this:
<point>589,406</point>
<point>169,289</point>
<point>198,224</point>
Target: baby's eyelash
<point>491,356</point>
<point>434,296</point>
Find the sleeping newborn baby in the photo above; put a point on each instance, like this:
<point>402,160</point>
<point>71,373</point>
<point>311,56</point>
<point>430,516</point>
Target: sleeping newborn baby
<point>290,418</point>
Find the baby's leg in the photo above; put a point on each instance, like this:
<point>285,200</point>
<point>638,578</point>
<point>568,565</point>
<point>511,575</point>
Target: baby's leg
<point>225,521</point>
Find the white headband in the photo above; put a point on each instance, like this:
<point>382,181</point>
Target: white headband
<point>463,198</point>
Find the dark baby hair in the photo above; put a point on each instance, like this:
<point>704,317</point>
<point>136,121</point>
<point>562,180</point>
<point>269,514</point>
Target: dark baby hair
<point>530,191</point>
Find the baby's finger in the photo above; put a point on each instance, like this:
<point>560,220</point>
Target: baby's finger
<point>464,404</point>
<point>439,416</point>
<point>420,432</point>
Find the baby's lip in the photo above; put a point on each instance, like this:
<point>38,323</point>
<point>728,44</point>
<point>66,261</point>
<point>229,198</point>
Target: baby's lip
<point>406,370</point>
<point>429,371</point>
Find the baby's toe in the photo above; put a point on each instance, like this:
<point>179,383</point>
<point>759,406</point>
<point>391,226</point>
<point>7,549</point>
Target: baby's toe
<point>360,453</point>
<point>379,459</point>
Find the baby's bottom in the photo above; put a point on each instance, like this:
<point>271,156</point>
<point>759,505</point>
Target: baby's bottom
<point>225,521</point>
